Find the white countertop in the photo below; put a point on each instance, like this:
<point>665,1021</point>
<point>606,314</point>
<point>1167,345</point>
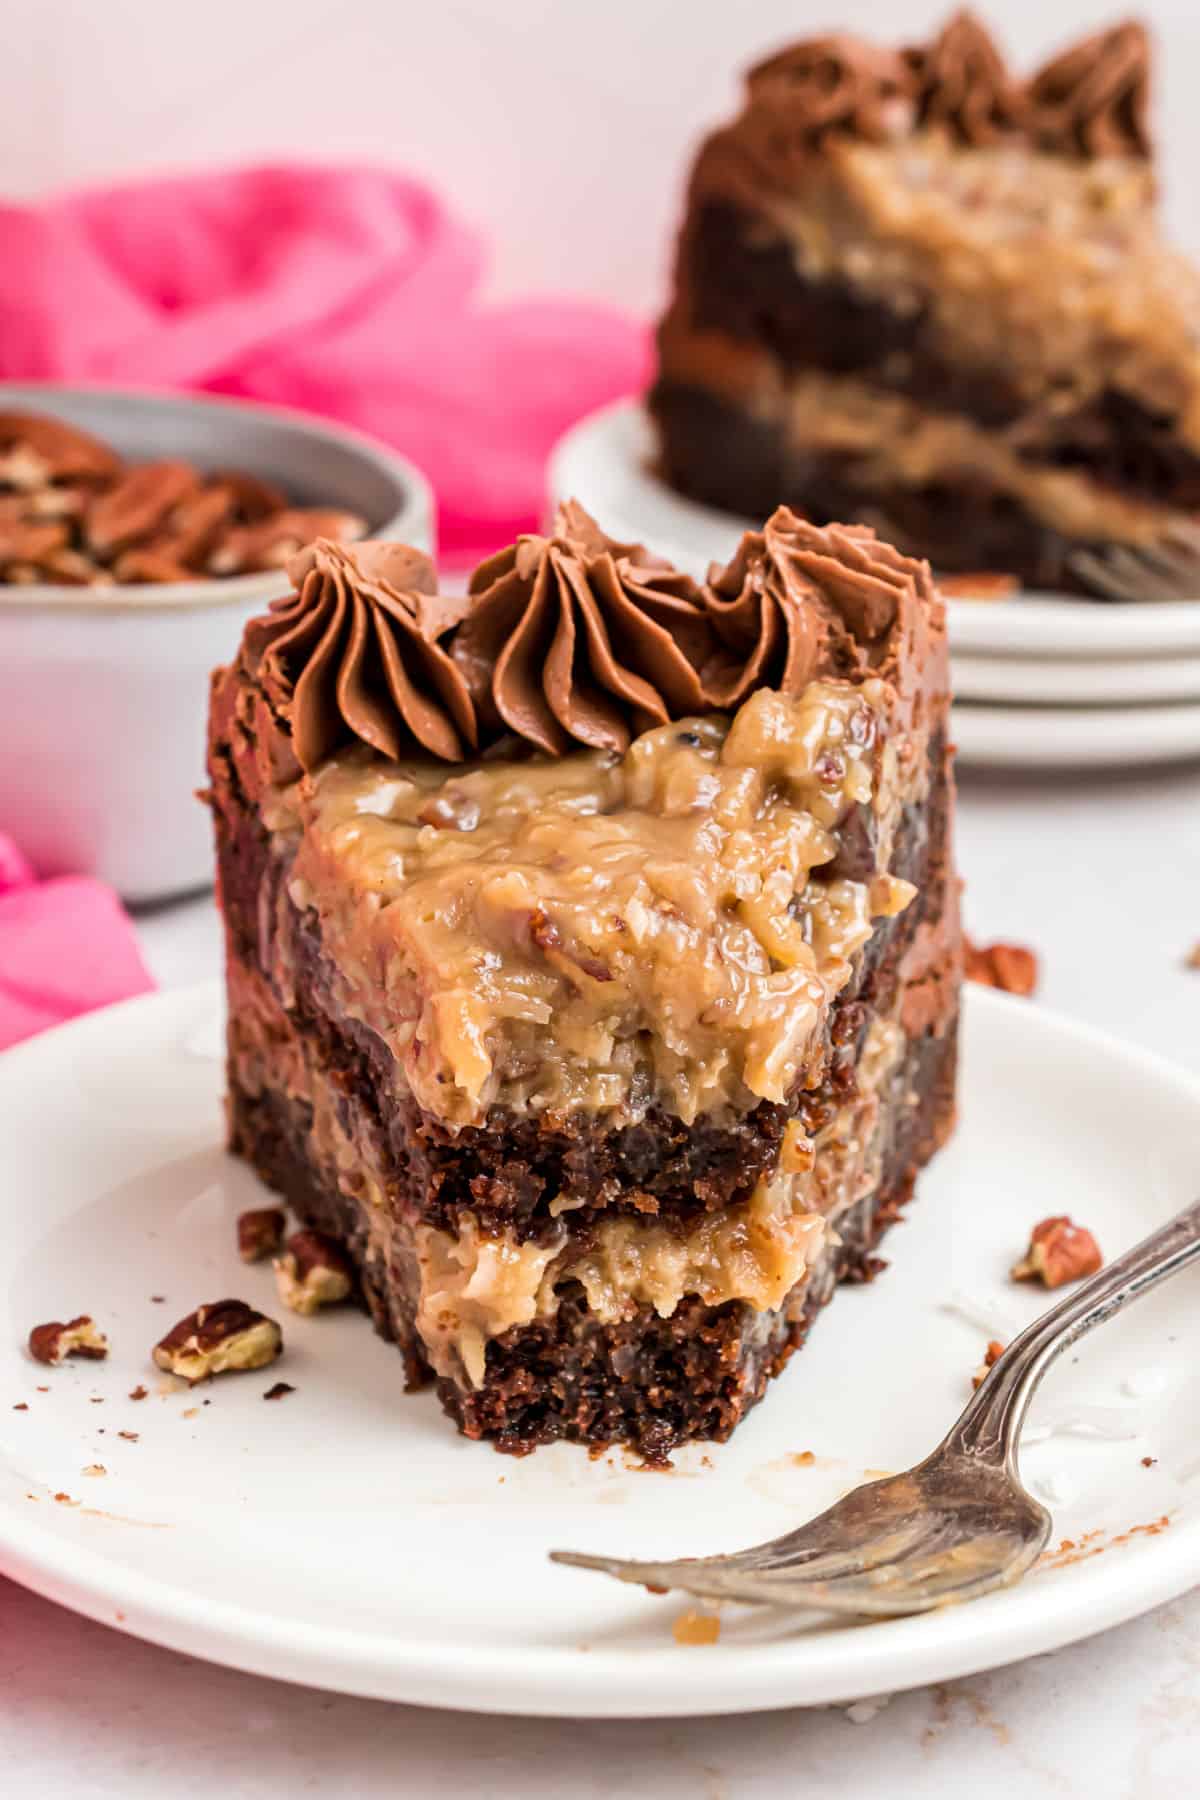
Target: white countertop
<point>1102,877</point>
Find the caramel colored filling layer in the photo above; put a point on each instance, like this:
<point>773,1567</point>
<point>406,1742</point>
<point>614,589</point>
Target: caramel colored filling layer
<point>887,440</point>
<point>1051,269</point>
<point>608,933</point>
<point>471,1287</point>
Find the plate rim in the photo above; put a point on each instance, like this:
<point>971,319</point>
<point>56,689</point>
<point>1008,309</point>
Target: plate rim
<point>1033,626</point>
<point>562,1680</point>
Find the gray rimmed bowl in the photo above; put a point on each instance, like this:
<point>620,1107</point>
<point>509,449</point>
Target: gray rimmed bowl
<point>104,692</point>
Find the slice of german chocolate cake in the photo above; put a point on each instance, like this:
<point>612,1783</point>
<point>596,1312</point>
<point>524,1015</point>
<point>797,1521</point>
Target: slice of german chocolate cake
<point>915,290</point>
<point>593,953</point>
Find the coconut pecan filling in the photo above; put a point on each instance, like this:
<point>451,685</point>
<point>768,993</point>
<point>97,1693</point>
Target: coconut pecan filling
<point>472,1285</point>
<point>605,933</point>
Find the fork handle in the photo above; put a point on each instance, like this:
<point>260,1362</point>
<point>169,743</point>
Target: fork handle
<point>992,1419</point>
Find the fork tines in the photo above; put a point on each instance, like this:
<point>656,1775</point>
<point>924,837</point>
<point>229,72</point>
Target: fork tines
<point>1168,570</point>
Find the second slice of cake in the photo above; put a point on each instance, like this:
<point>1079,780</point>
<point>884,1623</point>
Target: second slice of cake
<point>915,290</point>
<point>593,954</point>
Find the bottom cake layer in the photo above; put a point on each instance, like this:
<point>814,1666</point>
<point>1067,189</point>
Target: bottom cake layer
<point>644,1380</point>
<point>725,457</point>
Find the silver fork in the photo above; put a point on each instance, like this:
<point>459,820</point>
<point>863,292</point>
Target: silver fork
<point>1169,570</point>
<point>957,1525</point>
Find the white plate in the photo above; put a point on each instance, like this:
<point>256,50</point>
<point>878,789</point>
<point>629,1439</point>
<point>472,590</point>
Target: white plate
<point>1075,737</point>
<point>1072,681</point>
<point>345,1536</point>
<point>605,462</point>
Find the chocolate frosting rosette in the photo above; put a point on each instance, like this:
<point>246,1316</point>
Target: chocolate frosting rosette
<point>576,639</point>
<point>354,655</point>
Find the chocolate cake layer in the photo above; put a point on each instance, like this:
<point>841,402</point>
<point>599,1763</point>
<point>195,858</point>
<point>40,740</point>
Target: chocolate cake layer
<point>650,1382</point>
<point>752,289</point>
<point>723,456</point>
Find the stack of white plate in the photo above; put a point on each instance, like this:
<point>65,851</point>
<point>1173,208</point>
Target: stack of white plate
<point>1040,681</point>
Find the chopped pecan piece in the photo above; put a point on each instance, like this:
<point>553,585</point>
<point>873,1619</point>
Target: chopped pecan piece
<point>54,1342</point>
<point>981,584</point>
<point>1059,1251</point>
<point>1192,960</point>
<point>312,1272</point>
<point>260,1233</point>
<point>450,811</point>
<point>992,1354</point>
<point>218,1339</point>
<point>1010,967</point>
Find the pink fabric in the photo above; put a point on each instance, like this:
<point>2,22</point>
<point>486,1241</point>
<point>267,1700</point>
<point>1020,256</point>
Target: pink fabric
<point>65,947</point>
<point>350,292</point>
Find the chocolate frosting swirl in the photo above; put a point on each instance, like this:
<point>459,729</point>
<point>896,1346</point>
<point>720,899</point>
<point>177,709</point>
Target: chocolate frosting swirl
<point>795,591</point>
<point>963,84</point>
<point>837,85</point>
<point>1093,99</point>
<point>1090,101</point>
<point>577,639</point>
<point>354,654</point>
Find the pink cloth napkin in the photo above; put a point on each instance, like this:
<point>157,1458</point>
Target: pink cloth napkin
<point>350,292</point>
<point>65,947</point>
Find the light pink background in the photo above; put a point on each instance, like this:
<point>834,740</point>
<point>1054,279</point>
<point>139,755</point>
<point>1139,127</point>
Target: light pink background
<point>560,126</point>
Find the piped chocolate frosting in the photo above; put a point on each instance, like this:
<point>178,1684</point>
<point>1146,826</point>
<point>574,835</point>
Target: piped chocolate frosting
<point>963,84</point>
<point>568,641</point>
<point>795,591</point>
<point>1094,98</point>
<point>354,654</point>
<point>837,85</point>
<point>1090,101</point>
<point>575,639</point>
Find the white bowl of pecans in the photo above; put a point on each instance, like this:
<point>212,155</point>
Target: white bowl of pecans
<point>138,533</point>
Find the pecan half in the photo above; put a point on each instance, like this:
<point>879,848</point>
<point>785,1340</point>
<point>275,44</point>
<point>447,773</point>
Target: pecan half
<point>984,584</point>
<point>312,1272</point>
<point>219,1339</point>
<point>1010,967</point>
<point>138,505</point>
<point>260,1233</point>
<point>30,540</point>
<point>271,544</point>
<point>54,1342</point>
<point>1059,1251</point>
<point>150,565</point>
<point>64,452</point>
<point>252,498</point>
